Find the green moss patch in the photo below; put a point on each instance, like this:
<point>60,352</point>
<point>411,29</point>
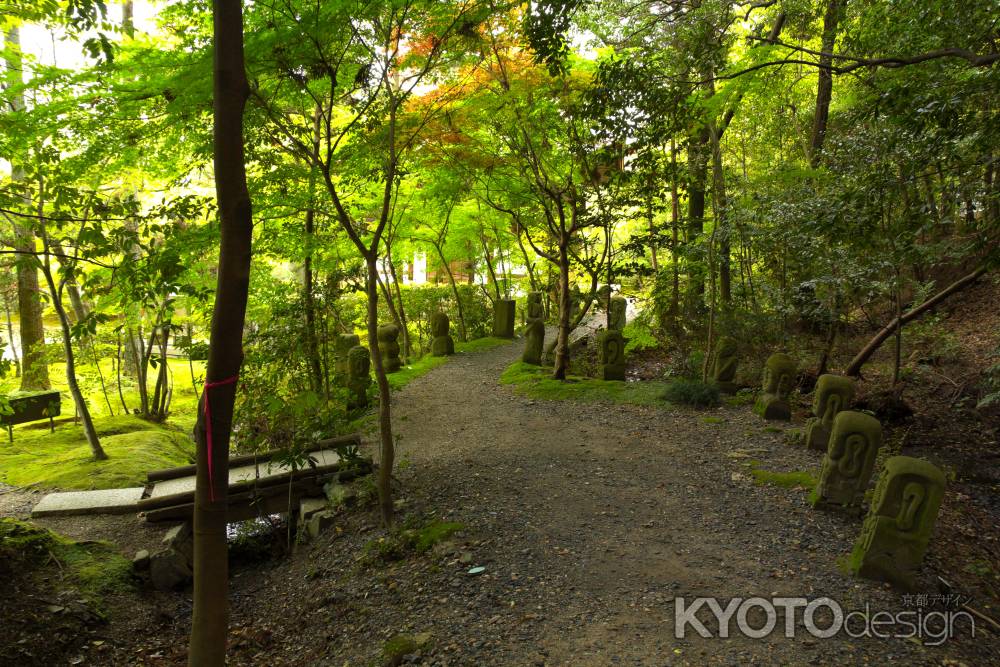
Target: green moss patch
<point>537,382</point>
<point>63,460</point>
<point>427,363</point>
<point>93,567</point>
<point>793,479</point>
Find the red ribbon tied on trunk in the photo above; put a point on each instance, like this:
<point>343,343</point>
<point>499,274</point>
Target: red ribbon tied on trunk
<point>208,430</point>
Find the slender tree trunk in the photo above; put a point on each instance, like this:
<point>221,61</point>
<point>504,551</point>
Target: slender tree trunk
<point>824,89</point>
<point>387,449</point>
<point>721,229</point>
<point>675,214</point>
<point>454,289</point>
<point>316,373</point>
<point>10,336</point>
<point>118,374</point>
<point>653,262</point>
<point>562,337</point>
<point>698,177</point>
<point>209,625</point>
<point>402,309</point>
<point>89,432</point>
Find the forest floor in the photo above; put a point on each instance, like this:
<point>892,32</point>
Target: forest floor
<point>589,520</point>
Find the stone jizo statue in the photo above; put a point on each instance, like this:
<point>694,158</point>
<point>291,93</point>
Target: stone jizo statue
<point>779,378</point>
<point>359,377</point>
<point>899,524</point>
<point>724,365</point>
<point>342,346</point>
<point>443,344</point>
<point>534,332</point>
<point>833,394</point>
<point>849,461</point>
<point>612,355</point>
<point>387,345</point>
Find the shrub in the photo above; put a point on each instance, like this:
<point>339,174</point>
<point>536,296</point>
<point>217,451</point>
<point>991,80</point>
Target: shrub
<point>692,392</point>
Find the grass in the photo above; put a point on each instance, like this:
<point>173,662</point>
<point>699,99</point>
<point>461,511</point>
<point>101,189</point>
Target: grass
<point>537,382</point>
<point>94,567</point>
<point>794,479</point>
<point>427,363</point>
<point>62,459</point>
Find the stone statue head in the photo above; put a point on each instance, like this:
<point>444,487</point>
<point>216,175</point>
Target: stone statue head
<point>779,374</point>
<point>439,324</point>
<point>387,333</point>
<point>833,394</point>
<point>359,363</point>
<point>854,443</point>
<point>909,493</point>
<point>617,312</point>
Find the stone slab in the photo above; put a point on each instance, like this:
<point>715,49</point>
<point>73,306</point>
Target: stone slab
<point>107,501</point>
<point>245,473</point>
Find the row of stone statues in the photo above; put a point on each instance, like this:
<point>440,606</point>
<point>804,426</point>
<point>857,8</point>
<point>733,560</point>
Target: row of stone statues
<point>353,363</point>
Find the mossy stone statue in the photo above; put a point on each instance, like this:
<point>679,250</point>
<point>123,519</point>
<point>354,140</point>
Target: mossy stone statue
<point>724,364</point>
<point>617,313</point>
<point>779,376</point>
<point>612,355</point>
<point>899,524</point>
<point>358,377</point>
<point>834,393</point>
<point>387,345</point>
<point>443,344</point>
<point>849,461</point>
<point>503,318</point>
<point>342,346</point>
<point>534,332</point>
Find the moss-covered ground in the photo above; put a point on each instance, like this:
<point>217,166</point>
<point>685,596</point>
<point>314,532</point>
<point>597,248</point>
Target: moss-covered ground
<point>95,568</point>
<point>537,382</point>
<point>62,459</point>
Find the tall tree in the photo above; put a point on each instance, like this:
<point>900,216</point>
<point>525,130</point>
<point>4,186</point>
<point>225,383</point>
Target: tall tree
<point>209,624</point>
<point>34,368</point>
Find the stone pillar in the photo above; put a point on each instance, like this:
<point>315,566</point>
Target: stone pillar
<point>534,332</point>
<point>849,461</point>
<point>503,318</point>
<point>387,345</point>
<point>359,377</point>
<point>724,363</point>
<point>443,344</point>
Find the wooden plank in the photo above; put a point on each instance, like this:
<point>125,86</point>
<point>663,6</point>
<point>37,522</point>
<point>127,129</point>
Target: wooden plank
<point>246,459</point>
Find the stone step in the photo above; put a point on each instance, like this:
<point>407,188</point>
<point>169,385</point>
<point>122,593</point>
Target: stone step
<point>105,501</point>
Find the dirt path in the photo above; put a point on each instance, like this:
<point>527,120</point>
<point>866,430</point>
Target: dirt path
<point>589,520</point>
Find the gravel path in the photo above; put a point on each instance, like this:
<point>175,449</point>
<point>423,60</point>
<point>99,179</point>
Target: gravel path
<point>589,520</point>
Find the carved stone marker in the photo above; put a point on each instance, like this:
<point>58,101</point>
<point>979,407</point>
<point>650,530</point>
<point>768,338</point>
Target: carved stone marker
<point>899,524</point>
<point>358,378</point>
<point>849,461</point>
<point>612,355</point>
<point>503,318</point>
<point>387,345</point>
<point>534,332</point>
<point>724,365</point>
<point>443,343</point>
<point>617,313</point>
<point>342,346</point>
<point>779,374</point>
<point>833,394</point>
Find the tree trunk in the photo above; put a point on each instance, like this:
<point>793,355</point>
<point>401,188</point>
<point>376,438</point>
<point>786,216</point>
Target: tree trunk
<point>454,288</point>
<point>562,337</point>
<point>209,624</point>
<point>721,205</point>
<point>89,432</point>
<point>316,372</point>
<point>387,448</point>
<point>10,336</point>
<point>824,89</point>
<point>697,179</point>
<point>34,369</point>
<point>854,369</point>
